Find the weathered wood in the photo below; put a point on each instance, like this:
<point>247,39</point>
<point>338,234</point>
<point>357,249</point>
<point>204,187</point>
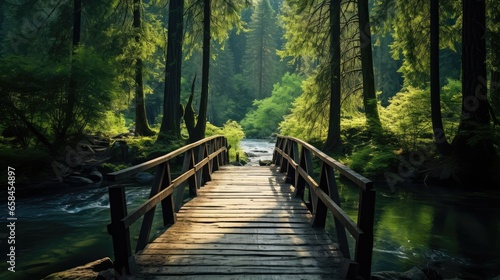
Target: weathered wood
<point>120,233</point>
<point>147,221</point>
<point>325,196</point>
<point>240,228</point>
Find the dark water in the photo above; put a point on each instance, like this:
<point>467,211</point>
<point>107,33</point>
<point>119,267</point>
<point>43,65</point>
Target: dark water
<point>457,232</point>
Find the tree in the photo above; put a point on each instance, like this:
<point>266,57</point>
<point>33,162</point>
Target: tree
<point>172,108</point>
<point>260,57</point>
<point>369,97</point>
<point>332,142</point>
<point>473,143</point>
<point>141,121</point>
<point>442,144</point>
<point>226,15</point>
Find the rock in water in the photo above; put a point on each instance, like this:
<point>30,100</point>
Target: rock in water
<point>144,177</point>
<point>95,176</point>
<point>89,271</point>
<point>265,162</point>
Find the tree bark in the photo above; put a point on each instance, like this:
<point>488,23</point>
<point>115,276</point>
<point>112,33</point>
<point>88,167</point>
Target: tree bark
<point>442,144</point>
<point>62,133</point>
<point>473,144</point>
<point>172,113</point>
<point>369,96</point>
<point>201,124</point>
<point>332,142</point>
<point>141,121</point>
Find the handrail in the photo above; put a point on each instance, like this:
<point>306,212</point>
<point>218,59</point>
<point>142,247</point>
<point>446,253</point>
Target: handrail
<point>324,196</point>
<point>200,160</point>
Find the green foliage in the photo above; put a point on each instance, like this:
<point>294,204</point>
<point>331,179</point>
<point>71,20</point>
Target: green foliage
<point>35,92</point>
<point>309,114</point>
<point>232,131</point>
<point>260,58</point>
<point>264,119</point>
<point>110,124</point>
<point>371,159</point>
<point>408,117</point>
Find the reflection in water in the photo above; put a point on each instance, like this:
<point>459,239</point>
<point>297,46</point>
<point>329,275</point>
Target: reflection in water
<point>454,231</point>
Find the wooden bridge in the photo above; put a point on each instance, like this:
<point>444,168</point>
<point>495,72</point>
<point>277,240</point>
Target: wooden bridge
<point>243,222</point>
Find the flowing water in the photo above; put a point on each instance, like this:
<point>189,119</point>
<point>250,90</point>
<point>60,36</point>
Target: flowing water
<point>454,231</point>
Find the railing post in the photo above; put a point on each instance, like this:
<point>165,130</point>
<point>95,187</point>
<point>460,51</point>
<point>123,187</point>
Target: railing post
<point>276,155</point>
<point>207,168</point>
<point>168,205</point>
<point>329,185</point>
<point>193,181</point>
<point>226,153</point>
<point>220,157</point>
<point>120,234</point>
<point>284,148</point>
<point>293,154</point>
<point>300,183</point>
<point>147,221</point>
<point>364,247</point>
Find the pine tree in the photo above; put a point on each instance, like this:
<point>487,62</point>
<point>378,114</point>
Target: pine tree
<point>260,58</point>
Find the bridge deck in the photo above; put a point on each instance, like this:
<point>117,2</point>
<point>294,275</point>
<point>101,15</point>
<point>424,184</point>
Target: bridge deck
<point>244,224</point>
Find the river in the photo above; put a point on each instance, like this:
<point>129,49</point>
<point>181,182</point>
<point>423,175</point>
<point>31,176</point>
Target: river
<point>455,231</point>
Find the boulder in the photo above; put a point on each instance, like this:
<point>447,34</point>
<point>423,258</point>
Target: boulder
<point>95,176</point>
<point>89,271</point>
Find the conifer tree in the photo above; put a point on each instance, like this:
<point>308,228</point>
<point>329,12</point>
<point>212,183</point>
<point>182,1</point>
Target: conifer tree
<point>260,58</point>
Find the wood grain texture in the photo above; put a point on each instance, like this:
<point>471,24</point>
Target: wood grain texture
<point>244,224</point>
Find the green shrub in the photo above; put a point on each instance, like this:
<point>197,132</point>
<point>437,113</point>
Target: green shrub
<point>234,134</point>
<point>372,160</point>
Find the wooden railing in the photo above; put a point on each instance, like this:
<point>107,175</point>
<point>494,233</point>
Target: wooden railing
<point>295,157</point>
<point>200,160</point>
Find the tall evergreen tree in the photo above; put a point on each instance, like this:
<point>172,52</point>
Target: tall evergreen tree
<point>473,143</point>
<point>260,57</point>
<point>369,97</point>
<point>332,142</point>
<point>442,143</point>
<point>172,108</point>
<point>141,121</point>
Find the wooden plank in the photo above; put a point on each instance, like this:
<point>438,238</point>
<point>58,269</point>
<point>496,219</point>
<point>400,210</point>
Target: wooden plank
<point>234,261</point>
<point>202,270</point>
<point>242,277</point>
<point>247,247</point>
<point>227,252</point>
<point>245,224</point>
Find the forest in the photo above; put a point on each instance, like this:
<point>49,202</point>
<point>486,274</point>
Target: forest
<point>397,90</point>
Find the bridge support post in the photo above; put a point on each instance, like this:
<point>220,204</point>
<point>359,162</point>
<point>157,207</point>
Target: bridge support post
<point>168,205</point>
<point>364,247</point>
<point>118,231</point>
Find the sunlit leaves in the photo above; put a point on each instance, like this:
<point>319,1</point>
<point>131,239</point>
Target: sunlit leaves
<point>263,120</point>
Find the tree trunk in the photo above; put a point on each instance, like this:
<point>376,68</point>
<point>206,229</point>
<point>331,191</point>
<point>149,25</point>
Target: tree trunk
<point>473,144</point>
<point>369,96</point>
<point>495,73</point>
<point>442,144</point>
<point>62,133</point>
<point>141,121</point>
<point>172,109</point>
<point>201,124</point>
<point>332,142</point>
